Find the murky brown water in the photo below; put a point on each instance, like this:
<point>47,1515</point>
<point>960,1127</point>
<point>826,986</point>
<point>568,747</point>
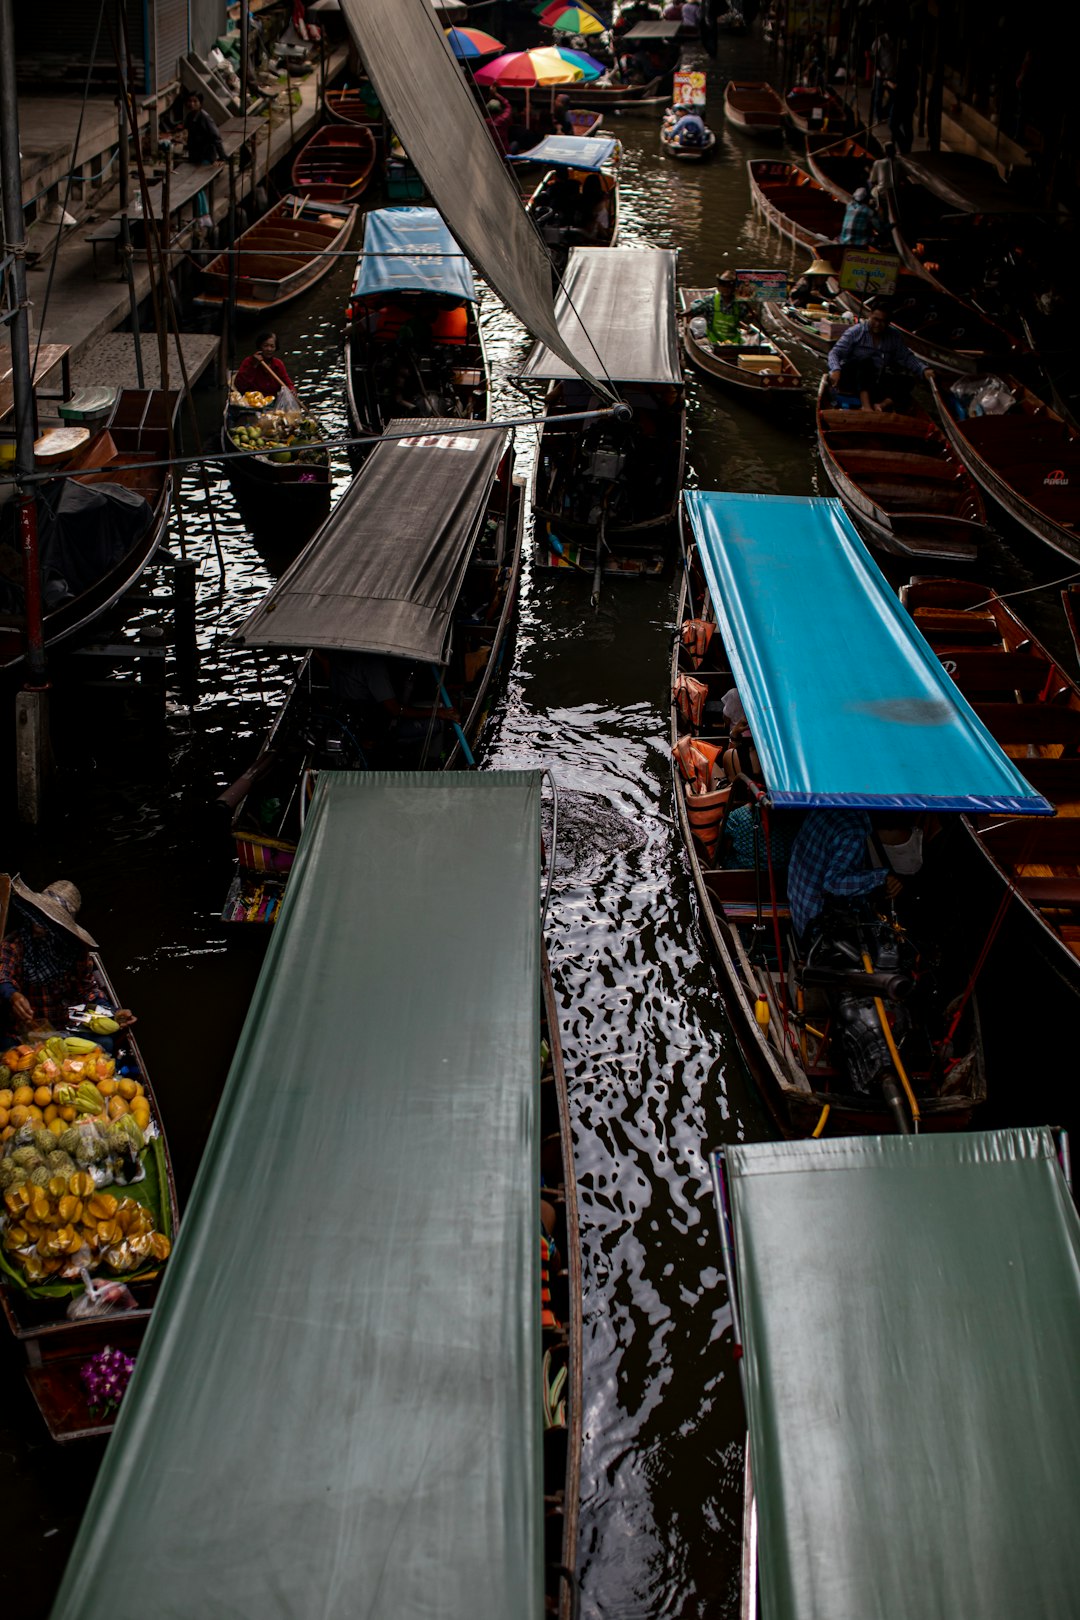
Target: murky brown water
<point>654,1072</point>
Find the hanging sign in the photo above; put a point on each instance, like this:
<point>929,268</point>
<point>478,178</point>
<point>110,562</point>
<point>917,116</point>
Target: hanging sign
<point>866,274</point>
<point>689,88</point>
<point>763,284</point>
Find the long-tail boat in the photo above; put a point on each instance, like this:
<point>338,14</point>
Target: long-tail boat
<point>59,1344</point>
<point>402,1393</point>
<point>278,469</point>
<point>1027,459</point>
<point>841,164</point>
<point>413,344</point>
<point>606,493</point>
<point>99,545</point>
<point>970,1240</point>
<point>872,1021</point>
<point>1031,705</point>
<point>904,486</point>
<point>409,594</point>
<point>753,107</point>
<point>796,204</point>
<point>576,201</point>
<point>810,111</point>
<point>336,164</point>
<point>754,366</point>
<point>282,255</point>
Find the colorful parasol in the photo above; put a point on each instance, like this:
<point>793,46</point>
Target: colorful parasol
<point>527,70</point>
<point>577,22</point>
<point>546,14</point>
<point>590,67</point>
<point>467,43</point>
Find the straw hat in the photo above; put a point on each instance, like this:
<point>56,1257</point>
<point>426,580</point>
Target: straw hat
<point>821,267</point>
<point>60,903</point>
<point>728,277</point>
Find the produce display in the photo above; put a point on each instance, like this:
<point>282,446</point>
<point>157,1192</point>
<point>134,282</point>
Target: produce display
<point>74,1125</point>
<point>281,436</point>
<point>252,399</point>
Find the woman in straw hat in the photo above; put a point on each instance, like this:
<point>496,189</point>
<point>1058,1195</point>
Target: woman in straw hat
<point>45,962</point>
<point>812,286</point>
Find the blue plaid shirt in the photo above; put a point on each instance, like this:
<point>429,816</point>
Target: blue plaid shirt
<point>829,856</point>
<point>891,350</point>
<point>860,225</point>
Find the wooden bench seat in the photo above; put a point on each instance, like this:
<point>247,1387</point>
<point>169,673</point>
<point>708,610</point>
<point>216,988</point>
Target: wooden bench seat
<point>1030,723</point>
<point>1056,779</point>
<point>978,671</point>
<point>1054,892</point>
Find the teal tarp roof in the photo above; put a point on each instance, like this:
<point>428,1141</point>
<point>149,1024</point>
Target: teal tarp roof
<point>910,1311</point>
<point>569,152</point>
<point>336,1411</point>
<point>847,703</point>
<point>411,250</point>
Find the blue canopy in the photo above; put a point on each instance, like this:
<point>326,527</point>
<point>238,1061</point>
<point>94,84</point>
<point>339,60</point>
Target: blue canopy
<point>569,152</point>
<point>846,702</point>
<point>411,250</point>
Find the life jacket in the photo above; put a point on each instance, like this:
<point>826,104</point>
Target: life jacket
<point>723,321</point>
<point>391,318</point>
<point>690,698</point>
<point>696,635</point>
<point>548,1319</point>
<point>700,768</point>
<point>451,326</point>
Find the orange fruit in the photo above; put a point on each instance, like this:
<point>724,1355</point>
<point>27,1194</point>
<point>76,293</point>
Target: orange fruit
<point>7,1097</point>
<point>7,1133</point>
<point>116,1107</point>
<point>19,1115</point>
<point>24,1095</point>
<point>108,1088</point>
<point>57,1126</point>
<point>128,1088</point>
<point>3,1118</point>
<point>69,1113</point>
<point>43,1096</point>
<point>35,1114</point>
<point>51,1113</point>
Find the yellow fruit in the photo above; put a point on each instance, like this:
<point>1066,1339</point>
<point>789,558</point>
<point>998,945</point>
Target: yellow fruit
<point>24,1095</point>
<point>18,1116</point>
<point>7,1096</point>
<point>56,1186</point>
<point>34,1112</point>
<point>39,1204</point>
<point>3,1118</point>
<point>102,1206</point>
<point>128,1088</point>
<point>71,1208</point>
<point>116,1107</point>
<point>160,1247</point>
<point>7,1133</point>
<point>81,1184</point>
<point>108,1088</point>
<point>51,1113</point>
<point>110,1231</point>
<point>43,1096</point>
<point>58,1126</point>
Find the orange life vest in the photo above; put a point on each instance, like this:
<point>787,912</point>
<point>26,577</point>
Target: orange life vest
<point>699,765</point>
<point>696,635</point>
<point>451,326</point>
<point>548,1318</point>
<point>690,698</point>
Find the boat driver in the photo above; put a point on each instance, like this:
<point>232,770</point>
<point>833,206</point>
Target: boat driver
<point>849,855</point>
<point>872,361</point>
<point>722,311</point>
<point>45,962</point>
<point>689,128</point>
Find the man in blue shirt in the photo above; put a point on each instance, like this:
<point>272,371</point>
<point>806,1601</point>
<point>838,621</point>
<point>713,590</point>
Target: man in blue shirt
<point>689,130</point>
<point>869,360</point>
<point>861,224</point>
<point>831,859</point>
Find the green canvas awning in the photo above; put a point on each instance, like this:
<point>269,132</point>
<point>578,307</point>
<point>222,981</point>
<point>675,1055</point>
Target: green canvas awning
<point>910,1313</point>
<point>337,1409</point>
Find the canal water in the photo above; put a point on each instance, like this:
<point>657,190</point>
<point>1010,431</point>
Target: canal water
<point>654,1072</point>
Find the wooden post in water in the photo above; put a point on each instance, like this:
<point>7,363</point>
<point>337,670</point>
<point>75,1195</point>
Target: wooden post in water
<point>32,702</point>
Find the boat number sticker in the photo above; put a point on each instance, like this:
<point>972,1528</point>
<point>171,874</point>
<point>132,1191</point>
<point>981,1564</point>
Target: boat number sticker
<point>949,665</point>
<point>1058,479</point>
<point>440,441</point>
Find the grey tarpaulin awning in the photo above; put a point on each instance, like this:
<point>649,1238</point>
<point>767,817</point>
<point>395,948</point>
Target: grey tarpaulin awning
<point>384,571</point>
<point>337,1409</point>
<point>910,1313</point>
<point>616,309</point>
<point>429,102</point>
<point>650,29</point>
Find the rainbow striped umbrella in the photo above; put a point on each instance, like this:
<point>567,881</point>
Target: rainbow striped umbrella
<point>467,43</point>
<point>575,20</point>
<point>527,70</point>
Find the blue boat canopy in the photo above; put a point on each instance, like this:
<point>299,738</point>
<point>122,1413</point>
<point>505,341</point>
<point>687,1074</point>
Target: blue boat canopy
<point>411,250</point>
<point>570,152</point>
<point>847,704</point>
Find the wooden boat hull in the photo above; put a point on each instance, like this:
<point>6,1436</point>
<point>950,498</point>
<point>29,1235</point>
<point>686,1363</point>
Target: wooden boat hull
<point>794,203</point>
<point>814,111</point>
<point>841,166</point>
<point>271,266</point>
<point>970,628</point>
<point>1028,463</point>
<point>56,1348</point>
<point>616,97</point>
<point>281,504</point>
<point>336,164</point>
<point>138,431</point>
<point>754,108</point>
<point>797,1109</point>
<point>687,154</point>
<point>351,107</point>
<point>897,476</point>
<point>557,236</point>
<point>717,364</point>
<point>788,322</point>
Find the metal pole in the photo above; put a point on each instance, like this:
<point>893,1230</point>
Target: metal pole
<point>125,230</point>
<point>244,45</point>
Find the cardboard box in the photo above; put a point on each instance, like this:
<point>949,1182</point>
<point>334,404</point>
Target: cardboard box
<point>760,363</point>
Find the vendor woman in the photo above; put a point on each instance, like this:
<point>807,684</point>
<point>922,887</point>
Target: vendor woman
<point>45,963</point>
<point>263,371</point>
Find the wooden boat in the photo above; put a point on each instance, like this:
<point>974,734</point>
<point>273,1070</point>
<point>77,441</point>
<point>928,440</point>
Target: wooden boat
<point>444,373</point>
<point>794,202</point>
<point>336,164</point>
<point>586,120</point>
<point>575,208</point>
<point>124,452</point>
<point>283,495</point>
<point>281,256</point>
<point>356,105</point>
<point>602,95</point>
<point>56,1347</point>
<point>1030,704</point>
<point>811,111</point>
<point>686,154</point>
<point>1028,460</point>
<point>816,326</point>
<point>906,489</point>
<point>322,724</point>
<point>841,166</point>
<point>606,492</point>
<point>753,106</point>
<point>756,367</point>
<point>795,1010</point>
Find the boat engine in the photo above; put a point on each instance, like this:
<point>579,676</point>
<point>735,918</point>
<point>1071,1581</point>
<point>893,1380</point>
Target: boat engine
<point>836,963</point>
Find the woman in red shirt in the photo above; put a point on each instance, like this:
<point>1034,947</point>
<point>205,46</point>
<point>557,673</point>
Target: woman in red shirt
<point>262,370</point>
